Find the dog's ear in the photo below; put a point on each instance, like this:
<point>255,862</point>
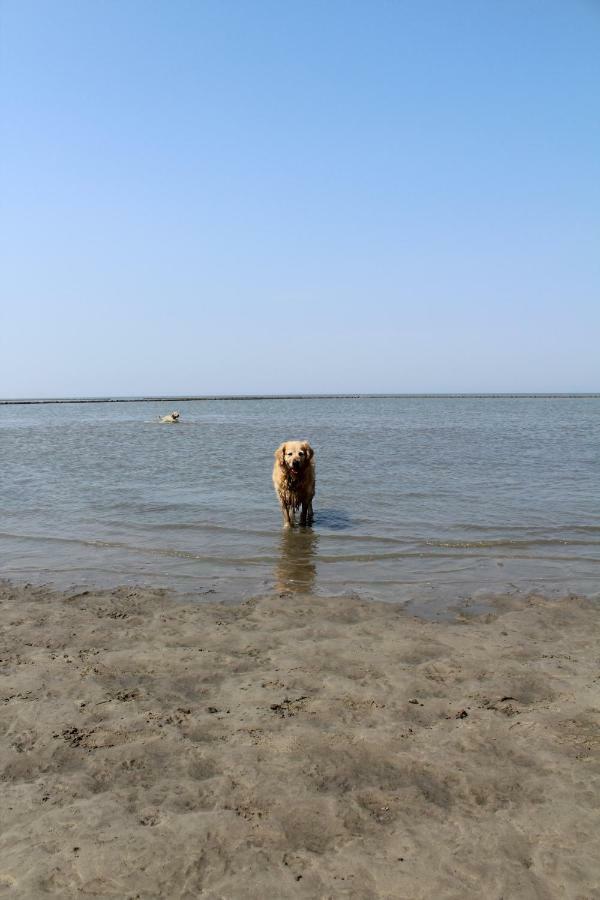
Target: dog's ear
<point>280,454</point>
<point>308,450</point>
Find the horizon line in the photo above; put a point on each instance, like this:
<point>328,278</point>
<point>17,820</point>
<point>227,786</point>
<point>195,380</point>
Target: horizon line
<point>163,398</point>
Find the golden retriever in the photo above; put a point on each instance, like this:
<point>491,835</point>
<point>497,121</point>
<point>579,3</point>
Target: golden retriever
<point>294,480</point>
<point>170,419</point>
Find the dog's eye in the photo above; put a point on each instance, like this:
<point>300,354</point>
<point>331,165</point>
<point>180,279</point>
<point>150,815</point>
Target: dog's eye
<point>301,453</point>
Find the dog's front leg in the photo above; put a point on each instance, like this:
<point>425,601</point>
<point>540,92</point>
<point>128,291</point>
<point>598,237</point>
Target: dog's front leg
<point>306,515</point>
<point>303,514</point>
<point>287,517</point>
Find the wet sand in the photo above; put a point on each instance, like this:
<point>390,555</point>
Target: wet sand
<point>295,747</point>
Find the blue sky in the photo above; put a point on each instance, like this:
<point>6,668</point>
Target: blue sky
<point>247,197</point>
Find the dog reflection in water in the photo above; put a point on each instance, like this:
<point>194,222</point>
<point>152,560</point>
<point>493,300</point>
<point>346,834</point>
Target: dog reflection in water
<point>296,568</point>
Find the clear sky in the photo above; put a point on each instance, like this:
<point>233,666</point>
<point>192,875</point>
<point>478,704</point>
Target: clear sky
<point>247,197</point>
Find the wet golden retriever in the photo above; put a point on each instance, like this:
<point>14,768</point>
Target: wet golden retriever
<point>170,419</point>
<point>294,480</point>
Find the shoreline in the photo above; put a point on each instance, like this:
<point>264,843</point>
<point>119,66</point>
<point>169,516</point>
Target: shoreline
<point>296,746</point>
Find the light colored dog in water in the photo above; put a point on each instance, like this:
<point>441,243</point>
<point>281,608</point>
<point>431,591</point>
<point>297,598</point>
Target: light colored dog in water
<point>294,480</point>
<point>170,419</point>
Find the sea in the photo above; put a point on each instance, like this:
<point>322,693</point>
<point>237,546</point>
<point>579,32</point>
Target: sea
<point>435,502</point>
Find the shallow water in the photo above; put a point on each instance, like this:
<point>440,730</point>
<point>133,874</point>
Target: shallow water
<point>422,500</point>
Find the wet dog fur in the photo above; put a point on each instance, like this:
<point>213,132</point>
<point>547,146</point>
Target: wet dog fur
<point>294,480</point>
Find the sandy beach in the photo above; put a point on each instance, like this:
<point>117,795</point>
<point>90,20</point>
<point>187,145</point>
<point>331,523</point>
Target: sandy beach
<point>295,747</point>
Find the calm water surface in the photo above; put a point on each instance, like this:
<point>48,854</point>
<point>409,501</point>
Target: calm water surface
<point>425,500</point>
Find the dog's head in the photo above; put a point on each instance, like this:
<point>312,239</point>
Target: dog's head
<point>175,415</point>
<point>294,456</point>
